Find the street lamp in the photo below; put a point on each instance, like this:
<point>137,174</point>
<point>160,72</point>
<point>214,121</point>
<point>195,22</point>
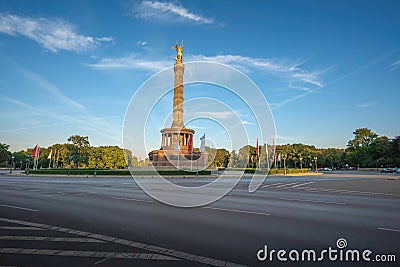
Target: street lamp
<point>12,163</point>
<point>96,156</point>
<point>301,163</point>
<point>27,164</point>
<point>284,164</point>
<point>316,165</point>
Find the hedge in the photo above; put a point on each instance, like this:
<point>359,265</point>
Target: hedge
<point>115,172</point>
<point>272,171</point>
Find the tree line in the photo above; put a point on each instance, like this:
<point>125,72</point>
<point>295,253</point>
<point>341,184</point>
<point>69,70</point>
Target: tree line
<point>365,150</point>
<point>77,153</point>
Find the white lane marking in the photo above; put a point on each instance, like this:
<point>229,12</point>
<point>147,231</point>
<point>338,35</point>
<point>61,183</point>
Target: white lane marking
<point>15,207</point>
<point>240,211</point>
<point>82,253</point>
<point>50,238</point>
<point>133,199</point>
<point>295,186</point>
<point>388,229</point>
<point>128,183</point>
<point>314,201</point>
<point>21,228</point>
<point>344,191</point>
<point>33,190</point>
<point>134,244</point>
<point>284,185</point>
<point>268,185</point>
<point>100,261</point>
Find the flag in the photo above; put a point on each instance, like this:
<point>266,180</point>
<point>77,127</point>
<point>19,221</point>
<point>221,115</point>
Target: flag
<point>36,151</point>
<point>257,147</point>
<point>51,151</point>
<point>203,143</point>
<point>279,157</point>
<point>190,143</point>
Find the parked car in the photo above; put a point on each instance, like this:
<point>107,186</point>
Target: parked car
<point>398,170</point>
<point>387,170</point>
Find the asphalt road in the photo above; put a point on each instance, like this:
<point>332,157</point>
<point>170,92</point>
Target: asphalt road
<point>48,221</point>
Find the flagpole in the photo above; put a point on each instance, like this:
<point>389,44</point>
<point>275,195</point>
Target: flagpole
<point>197,165</point>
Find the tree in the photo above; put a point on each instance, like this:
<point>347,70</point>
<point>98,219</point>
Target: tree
<point>395,142</point>
<point>363,137</point>
<point>381,151</point>
<point>4,153</point>
<point>80,149</point>
<point>221,158</point>
<point>245,156</point>
<point>20,159</point>
<point>359,146</point>
<point>233,159</point>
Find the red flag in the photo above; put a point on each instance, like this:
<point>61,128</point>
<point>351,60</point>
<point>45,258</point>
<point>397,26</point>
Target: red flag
<point>257,147</point>
<point>190,143</point>
<point>36,151</point>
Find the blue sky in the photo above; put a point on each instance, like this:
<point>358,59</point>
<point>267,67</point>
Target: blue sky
<point>71,67</point>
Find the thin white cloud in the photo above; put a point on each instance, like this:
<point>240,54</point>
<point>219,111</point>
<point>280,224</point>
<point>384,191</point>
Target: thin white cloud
<point>365,105</point>
<point>394,65</point>
<point>291,72</point>
<point>212,114</point>
<point>92,123</point>
<point>16,102</point>
<point>165,10</point>
<point>281,138</point>
<point>275,106</point>
<point>56,92</point>
<point>296,77</point>
<point>53,35</point>
<point>130,62</point>
<point>244,122</point>
<point>141,43</point>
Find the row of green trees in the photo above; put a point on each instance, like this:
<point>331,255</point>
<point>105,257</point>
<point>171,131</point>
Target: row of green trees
<point>77,153</point>
<point>366,149</point>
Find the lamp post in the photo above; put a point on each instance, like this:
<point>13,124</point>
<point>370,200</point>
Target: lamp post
<point>96,156</point>
<point>69,164</point>
<point>284,164</point>
<point>12,163</point>
<point>316,165</point>
<point>301,163</point>
<point>27,164</point>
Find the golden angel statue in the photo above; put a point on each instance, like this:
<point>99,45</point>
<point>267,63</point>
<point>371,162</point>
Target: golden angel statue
<point>179,50</point>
